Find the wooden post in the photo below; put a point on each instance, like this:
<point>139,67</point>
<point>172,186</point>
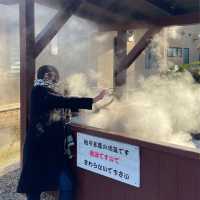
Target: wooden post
<point>137,50</point>
<point>54,25</point>
<point>51,29</point>
<point>120,52</point>
<point>27,61</point>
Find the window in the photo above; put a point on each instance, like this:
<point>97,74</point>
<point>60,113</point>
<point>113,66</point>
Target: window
<point>186,55</point>
<point>174,52</point>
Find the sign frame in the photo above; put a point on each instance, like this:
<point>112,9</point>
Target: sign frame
<point>117,160</point>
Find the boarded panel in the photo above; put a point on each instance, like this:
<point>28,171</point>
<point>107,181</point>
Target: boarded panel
<point>188,179</point>
<point>168,177</point>
<point>149,175</point>
<point>167,173</point>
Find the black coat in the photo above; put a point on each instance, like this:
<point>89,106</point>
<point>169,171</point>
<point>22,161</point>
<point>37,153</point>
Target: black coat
<point>43,149</point>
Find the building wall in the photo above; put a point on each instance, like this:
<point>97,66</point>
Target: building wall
<point>186,37</point>
<point>181,37</point>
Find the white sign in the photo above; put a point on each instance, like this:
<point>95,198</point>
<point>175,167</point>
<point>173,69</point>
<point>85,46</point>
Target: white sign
<point>109,158</point>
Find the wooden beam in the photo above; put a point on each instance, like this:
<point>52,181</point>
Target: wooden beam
<point>137,50</point>
<point>101,16</point>
<point>115,22</point>
<point>178,20</point>
<point>94,9</point>
<point>171,7</point>
<point>54,4</point>
<point>146,7</point>
<point>27,61</point>
<point>135,24</point>
<point>52,28</point>
<point>120,52</point>
<point>154,8</point>
<point>9,2</point>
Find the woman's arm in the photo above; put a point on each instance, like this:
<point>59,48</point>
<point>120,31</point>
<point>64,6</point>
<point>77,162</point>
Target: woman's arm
<point>50,100</point>
<point>53,100</point>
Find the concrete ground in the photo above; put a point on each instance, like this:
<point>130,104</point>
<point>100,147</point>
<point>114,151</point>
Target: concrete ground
<point>8,183</point>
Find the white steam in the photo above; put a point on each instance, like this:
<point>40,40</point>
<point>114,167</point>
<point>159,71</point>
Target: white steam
<point>163,108</point>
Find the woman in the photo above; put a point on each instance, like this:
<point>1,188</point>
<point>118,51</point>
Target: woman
<point>44,167</point>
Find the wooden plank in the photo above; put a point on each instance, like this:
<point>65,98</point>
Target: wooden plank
<point>87,189</point>
<point>180,151</point>
<point>154,8</point>
<point>146,7</point>
<point>27,61</point>
<point>187,180</point>
<point>52,28</point>
<point>149,175</point>
<point>178,20</point>
<point>135,24</point>
<point>164,174</point>
<point>9,2</point>
<point>100,15</point>
<point>94,186</point>
<point>168,177</point>
<point>137,50</point>
<point>169,6</point>
<point>99,11</point>
<point>51,3</point>
<point>120,52</point>
<point>197,183</point>
<point>107,18</point>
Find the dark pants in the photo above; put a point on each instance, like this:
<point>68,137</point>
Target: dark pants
<point>65,189</point>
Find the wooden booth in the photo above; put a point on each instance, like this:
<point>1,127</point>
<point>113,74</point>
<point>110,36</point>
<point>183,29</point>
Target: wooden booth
<point>165,172</point>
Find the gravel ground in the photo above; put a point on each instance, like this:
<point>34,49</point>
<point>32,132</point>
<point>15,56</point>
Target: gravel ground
<point>8,183</point>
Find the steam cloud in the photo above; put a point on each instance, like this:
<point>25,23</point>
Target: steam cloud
<point>164,108</point>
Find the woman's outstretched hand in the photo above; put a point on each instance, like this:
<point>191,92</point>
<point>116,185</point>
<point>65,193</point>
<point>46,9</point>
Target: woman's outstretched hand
<point>100,96</point>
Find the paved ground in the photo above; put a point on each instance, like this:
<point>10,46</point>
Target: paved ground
<point>8,182</point>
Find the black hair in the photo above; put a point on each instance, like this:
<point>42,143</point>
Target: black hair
<point>46,69</point>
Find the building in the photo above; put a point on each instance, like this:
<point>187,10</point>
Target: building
<point>172,46</point>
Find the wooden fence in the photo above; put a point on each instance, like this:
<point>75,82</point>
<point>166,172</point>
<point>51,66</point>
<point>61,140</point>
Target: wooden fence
<point>168,172</point>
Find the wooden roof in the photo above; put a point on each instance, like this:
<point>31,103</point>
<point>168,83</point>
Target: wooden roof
<point>131,13</point>
<point>115,12</point>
